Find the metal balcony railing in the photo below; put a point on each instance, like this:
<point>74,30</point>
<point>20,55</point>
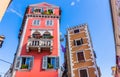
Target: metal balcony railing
<point>38,44</point>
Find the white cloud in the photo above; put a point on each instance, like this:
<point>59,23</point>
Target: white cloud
<point>17,13</point>
<point>72,3</point>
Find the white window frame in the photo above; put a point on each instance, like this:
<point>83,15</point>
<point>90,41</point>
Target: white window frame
<point>76,42</point>
<point>36,22</point>
<point>83,69</point>
<point>49,22</point>
<point>83,55</point>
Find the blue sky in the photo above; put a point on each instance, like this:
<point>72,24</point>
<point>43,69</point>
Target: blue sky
<point>96,13</point>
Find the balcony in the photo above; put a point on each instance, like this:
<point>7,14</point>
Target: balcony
<point>39,44</point>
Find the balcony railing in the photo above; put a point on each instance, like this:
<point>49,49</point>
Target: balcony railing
<point>39,44</point>
<point>42,16</point>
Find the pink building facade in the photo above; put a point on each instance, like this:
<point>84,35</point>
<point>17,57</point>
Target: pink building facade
<point>38,53</point>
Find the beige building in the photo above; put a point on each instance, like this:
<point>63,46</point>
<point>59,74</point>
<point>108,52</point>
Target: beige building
<point>3,6</point>
<point>1,40</point>
<point>115,10</point>
<point>80,57</point>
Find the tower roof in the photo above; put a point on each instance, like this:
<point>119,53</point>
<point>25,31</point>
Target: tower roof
<point>76,27</point>
<point>43,4</point>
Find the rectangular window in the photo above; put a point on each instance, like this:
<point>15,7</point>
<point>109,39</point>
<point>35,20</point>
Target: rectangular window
<point>36,10</point>
<point>50,11</point>
<point>49,22</point>
<point>36,22</point>
<point>50,62</point>
<point>83,73</point>
<point>76,31</point>
<point>24,63</point>
<point>78,42</point>
<point>80,56</point>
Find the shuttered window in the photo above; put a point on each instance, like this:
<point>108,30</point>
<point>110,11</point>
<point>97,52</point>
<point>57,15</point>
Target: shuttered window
<point>57,62</point>
<point>50,62</point>
<point>44,63</point>
<point>18,63</point>
<point>24,63</point>
<point>83,73</point>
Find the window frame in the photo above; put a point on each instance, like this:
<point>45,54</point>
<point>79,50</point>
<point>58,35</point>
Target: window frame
<point>36,35</point>
<point>56,57</point>
<point>36,23</point>
<point>46,35</point>
<point>83,56</point>
<point>50,9</point>
<point>39,10</point>
<point>46,23</point>
<point>77,32</point>
<point>83,69</point>
<point>20,64</point>
<point>75,41</point>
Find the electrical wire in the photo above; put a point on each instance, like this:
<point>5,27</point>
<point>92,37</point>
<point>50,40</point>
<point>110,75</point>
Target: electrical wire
<point>5,61</point>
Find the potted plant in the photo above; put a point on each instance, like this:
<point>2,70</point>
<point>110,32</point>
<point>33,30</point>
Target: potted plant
<point>24,66</point>
<point>50,66</point>
<point>47,12</point>
<point>50,37</point>
<point>50,11</point>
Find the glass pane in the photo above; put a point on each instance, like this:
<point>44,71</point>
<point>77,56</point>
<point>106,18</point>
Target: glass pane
<point>53,62</point>
<point>50,22</point>
<point>38,22</point>
<point>47,22</point>
<point>27,61</point>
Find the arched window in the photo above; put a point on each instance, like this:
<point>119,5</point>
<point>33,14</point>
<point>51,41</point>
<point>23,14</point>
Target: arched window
<point>47,35</point>
<point>36,35</point>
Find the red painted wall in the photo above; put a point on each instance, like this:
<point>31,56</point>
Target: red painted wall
<point>37,70</point>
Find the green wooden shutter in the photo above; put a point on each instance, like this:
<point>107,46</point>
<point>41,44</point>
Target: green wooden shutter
<point>44,64</point>
<point>18,63</point>
<point>57,62</point>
